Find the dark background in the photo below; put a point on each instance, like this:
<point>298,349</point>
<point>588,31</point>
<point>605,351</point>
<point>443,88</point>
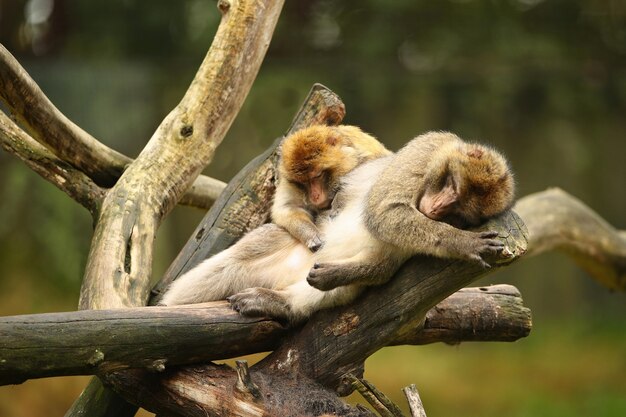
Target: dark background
<point>542,80</point>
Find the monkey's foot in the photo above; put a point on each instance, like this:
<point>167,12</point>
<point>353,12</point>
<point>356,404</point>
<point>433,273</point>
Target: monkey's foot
<point>326,276</point>
<point>260,302</point>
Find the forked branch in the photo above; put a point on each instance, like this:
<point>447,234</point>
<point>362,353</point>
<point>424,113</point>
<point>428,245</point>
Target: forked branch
<point>68,142</point>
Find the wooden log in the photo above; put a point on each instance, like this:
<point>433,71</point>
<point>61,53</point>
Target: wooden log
<point>332,344</point>
<point>157,338</point>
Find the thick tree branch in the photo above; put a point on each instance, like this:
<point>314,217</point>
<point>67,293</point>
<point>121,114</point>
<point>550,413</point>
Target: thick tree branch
<point>120,259</point>
<point>71,144</point>
<point>155,338</point>
<point>64,176</point>
<point>558,221</point>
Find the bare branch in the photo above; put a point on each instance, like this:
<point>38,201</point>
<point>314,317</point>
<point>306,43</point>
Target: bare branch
<point>64,176</point>
<point>415,402</point>
<point>351,334</point>
<point>377,399</point>
<point>558,221</point>
<point>119,265</point>
<point>71,144</point>
<point>120,260</point>
<point>44,122</point>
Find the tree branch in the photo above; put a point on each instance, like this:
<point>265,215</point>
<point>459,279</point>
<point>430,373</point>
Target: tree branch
<point>65,177</point>
<point>71,144</point>
<point>155,338</point>
<point>120,259</point>
<point>558,221</point>
<point>351,334</point>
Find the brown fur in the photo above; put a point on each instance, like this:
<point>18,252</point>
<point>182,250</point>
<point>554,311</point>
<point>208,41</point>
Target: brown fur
<point>319,148</point>
<point>317,158</point>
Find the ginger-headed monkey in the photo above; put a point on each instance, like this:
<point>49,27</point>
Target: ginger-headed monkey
<point>391,208</point>
<point>313,160</point>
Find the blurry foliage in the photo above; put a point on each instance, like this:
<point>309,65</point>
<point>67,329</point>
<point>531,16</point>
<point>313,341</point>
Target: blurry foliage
<point>543,80</point>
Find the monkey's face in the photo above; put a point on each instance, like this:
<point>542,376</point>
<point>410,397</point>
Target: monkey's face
<point>319,193</point>
<point>444,200</point>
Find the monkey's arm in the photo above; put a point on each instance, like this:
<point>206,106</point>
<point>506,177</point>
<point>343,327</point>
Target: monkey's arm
<point>289,212</point>
<point>404,226</point>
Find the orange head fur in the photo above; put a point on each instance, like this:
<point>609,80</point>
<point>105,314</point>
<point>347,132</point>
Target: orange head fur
<point>318,148</point>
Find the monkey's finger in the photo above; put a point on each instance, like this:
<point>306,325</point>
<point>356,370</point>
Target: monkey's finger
<point>480,260</point>
<point>489,234</point>
<point>494,245</point>
<point>314,244</point>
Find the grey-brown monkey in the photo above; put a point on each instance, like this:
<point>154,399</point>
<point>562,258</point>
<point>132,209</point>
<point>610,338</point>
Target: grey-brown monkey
<point>436,176</point>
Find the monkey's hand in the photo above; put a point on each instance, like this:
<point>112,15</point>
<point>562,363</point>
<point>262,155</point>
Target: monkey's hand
<point>329,275</point>
<point>260,302</point>
<point>314,243</point>
<point>480,245</point>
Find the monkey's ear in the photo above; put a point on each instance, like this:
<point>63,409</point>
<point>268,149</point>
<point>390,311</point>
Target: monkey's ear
<point>475,152</point>
<point>332,140</point>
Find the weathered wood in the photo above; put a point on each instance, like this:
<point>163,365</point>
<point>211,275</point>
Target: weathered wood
<point>558,221</point>
<point>71,144</point>
<point>67,178</point>
<point>210,390</point>
<point>96,341</point>
<point>119,263</point>
<point>492,313</point>
<point>415,402</point>
<point>44,122</point>
<point>376,398</point>
<point>99,401</point>
<point>246,201</point>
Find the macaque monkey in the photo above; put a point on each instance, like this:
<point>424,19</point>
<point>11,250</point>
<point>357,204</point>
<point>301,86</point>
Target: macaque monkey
<point>389,209</point>
<point>439,177</point>
<point>312,162</point>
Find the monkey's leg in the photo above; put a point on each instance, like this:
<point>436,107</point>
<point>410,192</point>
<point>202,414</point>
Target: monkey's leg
<point>261,302</point>
<point>295,303</point>
<point>328,275</point>
<point>255,261</point>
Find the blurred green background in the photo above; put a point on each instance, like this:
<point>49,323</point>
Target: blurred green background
<point>542,80</point>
